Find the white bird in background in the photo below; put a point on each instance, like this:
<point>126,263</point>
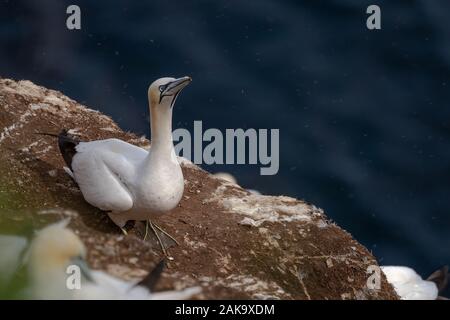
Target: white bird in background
<point>128,181</point>
<point>56,247</point>
<point>231,179</point>
<point>12,248</point>
<point>410,286</point>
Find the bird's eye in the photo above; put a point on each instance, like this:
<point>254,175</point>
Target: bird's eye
<point>162,88</point>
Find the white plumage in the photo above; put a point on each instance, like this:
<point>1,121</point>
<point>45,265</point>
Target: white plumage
<point>125,180</point>
<point>409,285</point>
<point>54,249</point>
<point>105,286</point>
<point>12,248</point>
<point>106,170</point>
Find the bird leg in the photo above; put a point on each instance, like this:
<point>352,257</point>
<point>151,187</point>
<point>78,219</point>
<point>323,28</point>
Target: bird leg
<point>124,231</point>
<point>165,233</point>
<point>161,244</point>
<point>118,220</point>
<point>155,229</point>
<point>146,229</point>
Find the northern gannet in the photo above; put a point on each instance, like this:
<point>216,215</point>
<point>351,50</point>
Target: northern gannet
<point>55,248</point>
<point>125,180</point>
<point>410,286</point>
<point>231,179</point>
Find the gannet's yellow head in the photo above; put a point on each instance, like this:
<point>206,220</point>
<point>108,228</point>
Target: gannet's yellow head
<point>164,91</point>
<point>53,249</point>
<point>55,244</point>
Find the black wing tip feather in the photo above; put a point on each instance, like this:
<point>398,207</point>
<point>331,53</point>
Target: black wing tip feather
<point>67,145</point>
<point>153,277</point>
<point>441,277</point>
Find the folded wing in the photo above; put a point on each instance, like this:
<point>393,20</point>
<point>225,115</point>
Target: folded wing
<point>104,171</point>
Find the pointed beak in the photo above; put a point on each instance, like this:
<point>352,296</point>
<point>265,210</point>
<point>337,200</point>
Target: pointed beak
<point>177,85</point>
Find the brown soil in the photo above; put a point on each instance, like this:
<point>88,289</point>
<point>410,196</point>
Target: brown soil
<point>293,256</point>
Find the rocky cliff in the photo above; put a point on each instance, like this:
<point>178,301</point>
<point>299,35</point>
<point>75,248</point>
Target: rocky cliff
<point>232,243</point>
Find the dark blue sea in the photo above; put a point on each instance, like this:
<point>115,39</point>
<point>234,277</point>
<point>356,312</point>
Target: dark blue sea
<point>364,116</point>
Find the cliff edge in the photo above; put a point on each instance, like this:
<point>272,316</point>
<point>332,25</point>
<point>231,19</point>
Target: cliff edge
<point>232,243</point>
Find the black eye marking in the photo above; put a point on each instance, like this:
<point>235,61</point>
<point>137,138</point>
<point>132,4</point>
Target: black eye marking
<point>162,88</point>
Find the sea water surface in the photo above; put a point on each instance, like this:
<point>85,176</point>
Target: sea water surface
<point>364,116</point>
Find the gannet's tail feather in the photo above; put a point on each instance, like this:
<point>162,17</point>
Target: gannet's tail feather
<point>67,145</point>
<point>441,278</point>
<point>69,172</point>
